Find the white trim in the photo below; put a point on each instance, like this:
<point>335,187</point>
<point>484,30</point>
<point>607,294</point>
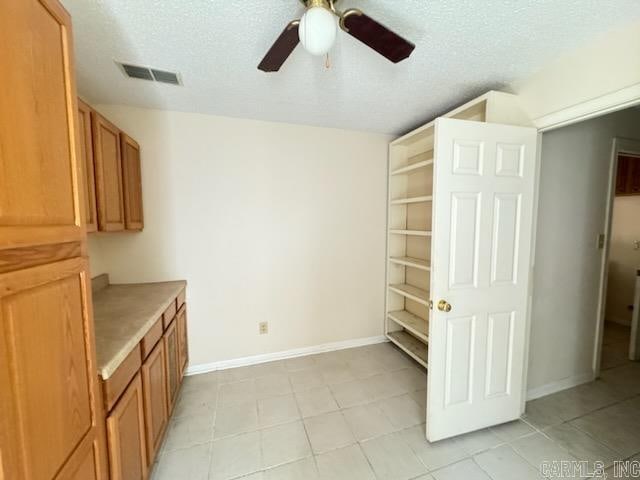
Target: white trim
<point>560,385</point>
<point>271,357</point>
<point>608,103</point>
<point>619,145</point>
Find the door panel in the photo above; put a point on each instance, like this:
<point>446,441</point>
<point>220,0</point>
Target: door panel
<point>183,345</point>
<point>46,336</point>
<point>154,384</point>
<point>170,340</point>
<point>132,183</point>
<point>483,191</point>
<point>86,162</point>
<point>39,198</point>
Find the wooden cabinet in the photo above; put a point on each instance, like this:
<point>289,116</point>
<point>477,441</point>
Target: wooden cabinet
<point>183,346</point>
<point>173,377</point>
<point>132,182</point>
<point>39,193</point>
<point>628,175</point>
<point>154,385</point>
<point>108,171</point>
<point>126,435</point>
<point>86,165</point>
<point>49,393</point>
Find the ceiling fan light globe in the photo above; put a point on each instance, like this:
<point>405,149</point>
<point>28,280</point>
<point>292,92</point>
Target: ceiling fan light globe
<point>317,30</point>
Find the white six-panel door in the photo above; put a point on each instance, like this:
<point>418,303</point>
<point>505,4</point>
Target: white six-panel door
<point>482,235</point>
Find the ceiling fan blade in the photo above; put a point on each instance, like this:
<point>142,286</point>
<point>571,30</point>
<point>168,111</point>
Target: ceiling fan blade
<point>281,49</point>
<point>375,35</point>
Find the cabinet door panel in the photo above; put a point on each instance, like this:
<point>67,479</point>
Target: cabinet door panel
<point>39,194</point>
<point>154,384</point>
<point>183,346</point>
<point>108,170</point>
<point>46,355</point>
<point>86,164</point>
<point>125,430</point>
<point>634,176</point>
<point>173,380</point>
<point>132,182</point>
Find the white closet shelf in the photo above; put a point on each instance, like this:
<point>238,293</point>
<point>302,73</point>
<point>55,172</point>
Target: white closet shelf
<point>416,325</point>
<point>414,347</point>
<point>409,291</point>
<point>411,262</point>
<point>412,167</point>
<point>419,233</point>
<point>404,201</point>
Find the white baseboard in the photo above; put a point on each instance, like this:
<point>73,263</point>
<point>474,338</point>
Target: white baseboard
<point>271,357</point>
<point>560,385</point>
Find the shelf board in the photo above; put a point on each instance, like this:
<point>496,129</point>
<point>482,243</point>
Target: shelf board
<point>419,233</point>
<point>414,293</point>
<point>411,262</point>
<point>416,325</point>
<point>414,347</point>
<point>413,167</point>
<point>404,201</point>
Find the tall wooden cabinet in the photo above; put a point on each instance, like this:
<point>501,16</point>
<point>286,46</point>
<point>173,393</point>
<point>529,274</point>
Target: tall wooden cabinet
<point>51,418</point>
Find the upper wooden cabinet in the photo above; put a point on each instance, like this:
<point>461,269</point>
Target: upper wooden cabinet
<point>132,180</point>
<point>39,193</point>
<point>628,175</point>
<point>86,163</point>
<point>108,166</point>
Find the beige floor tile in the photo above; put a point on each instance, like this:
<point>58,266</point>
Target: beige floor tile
<point>403,411</point>
<point>350,394</point>
<point>478,441</point>
<point>365,366</point>
<point>196,401</point>
<point>185,432</point>
<point>464,470</point>
<point>420,397</point>
<point>512,430</point>
<point>266,369</point>
<point>581,445</point>
<point>272,385</point>
<point>234,419</point>
<point>368,421</point>
<point>284,444</point>
<point>277,410</point>
<point>302,380</point>
<point>347,463</point>
<point>328,432</point>
<point>200,381</point>
<point>625,470</point>
<point>237,392</point>
<point>433,455</point>
<point>391,458</point>
<point>612,428</point>
<point>299,363</point>
<point>625,379</point>
<point>188,464</point>
<point>411,379</point>
<point>540,451</point>
<point>316,401</point>
<point>541,415</point>
<point>337,374</point>
<point>233,375</point>
<point>235,456</point>
<point>384,385</point>
<point>301,470</point>
<point>503,463</point>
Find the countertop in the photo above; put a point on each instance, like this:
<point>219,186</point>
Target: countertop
<point>123,314</point>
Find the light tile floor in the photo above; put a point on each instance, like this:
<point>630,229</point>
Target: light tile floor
<point>360,413</point>
<point>615,345</point>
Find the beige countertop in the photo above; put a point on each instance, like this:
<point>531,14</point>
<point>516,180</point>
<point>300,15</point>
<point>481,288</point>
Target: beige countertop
<point>123,314</point>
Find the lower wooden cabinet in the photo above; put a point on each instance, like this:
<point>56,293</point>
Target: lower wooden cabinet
<point>183,346</point>
<point>126,435</point>
<point>154,386</point>
<point>173,375</point>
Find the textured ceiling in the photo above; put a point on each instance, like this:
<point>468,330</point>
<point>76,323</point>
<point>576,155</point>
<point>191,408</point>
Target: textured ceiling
<point>464,47</point>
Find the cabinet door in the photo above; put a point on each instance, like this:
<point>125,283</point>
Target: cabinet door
<point>183,346</point>
<point>86,164</point>
<point>154,384</point>
<point>171,349</point>
<point>125,431</point>
<point>132,180</point>
<point>39,193</point>
<point>108,170</point>
<point>51,416</point>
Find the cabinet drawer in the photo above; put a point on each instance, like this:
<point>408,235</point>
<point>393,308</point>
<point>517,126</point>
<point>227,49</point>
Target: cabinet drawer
<point>151,338</point>
<point>117,383</point>
<point>169,314</point>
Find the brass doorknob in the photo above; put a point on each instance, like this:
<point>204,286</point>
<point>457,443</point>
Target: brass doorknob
<point>444,306</point>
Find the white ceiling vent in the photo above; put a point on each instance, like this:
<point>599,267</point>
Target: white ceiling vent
<point>151,74</point>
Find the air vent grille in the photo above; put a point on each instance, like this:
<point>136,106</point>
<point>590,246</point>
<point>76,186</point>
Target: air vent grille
<point>151,74</point>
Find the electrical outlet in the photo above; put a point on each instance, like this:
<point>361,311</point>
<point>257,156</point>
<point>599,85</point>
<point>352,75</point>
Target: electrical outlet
<point>264,328</point>
<point>601,239</point>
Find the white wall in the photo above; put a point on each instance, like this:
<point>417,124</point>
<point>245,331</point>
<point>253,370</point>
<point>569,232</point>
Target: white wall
<point>606,65</point>
<point>624,259</point>
<point>266,221</point>
<point>573,191</point>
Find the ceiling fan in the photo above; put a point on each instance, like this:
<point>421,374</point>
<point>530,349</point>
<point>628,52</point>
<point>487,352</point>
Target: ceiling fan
<point>317,30</point>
